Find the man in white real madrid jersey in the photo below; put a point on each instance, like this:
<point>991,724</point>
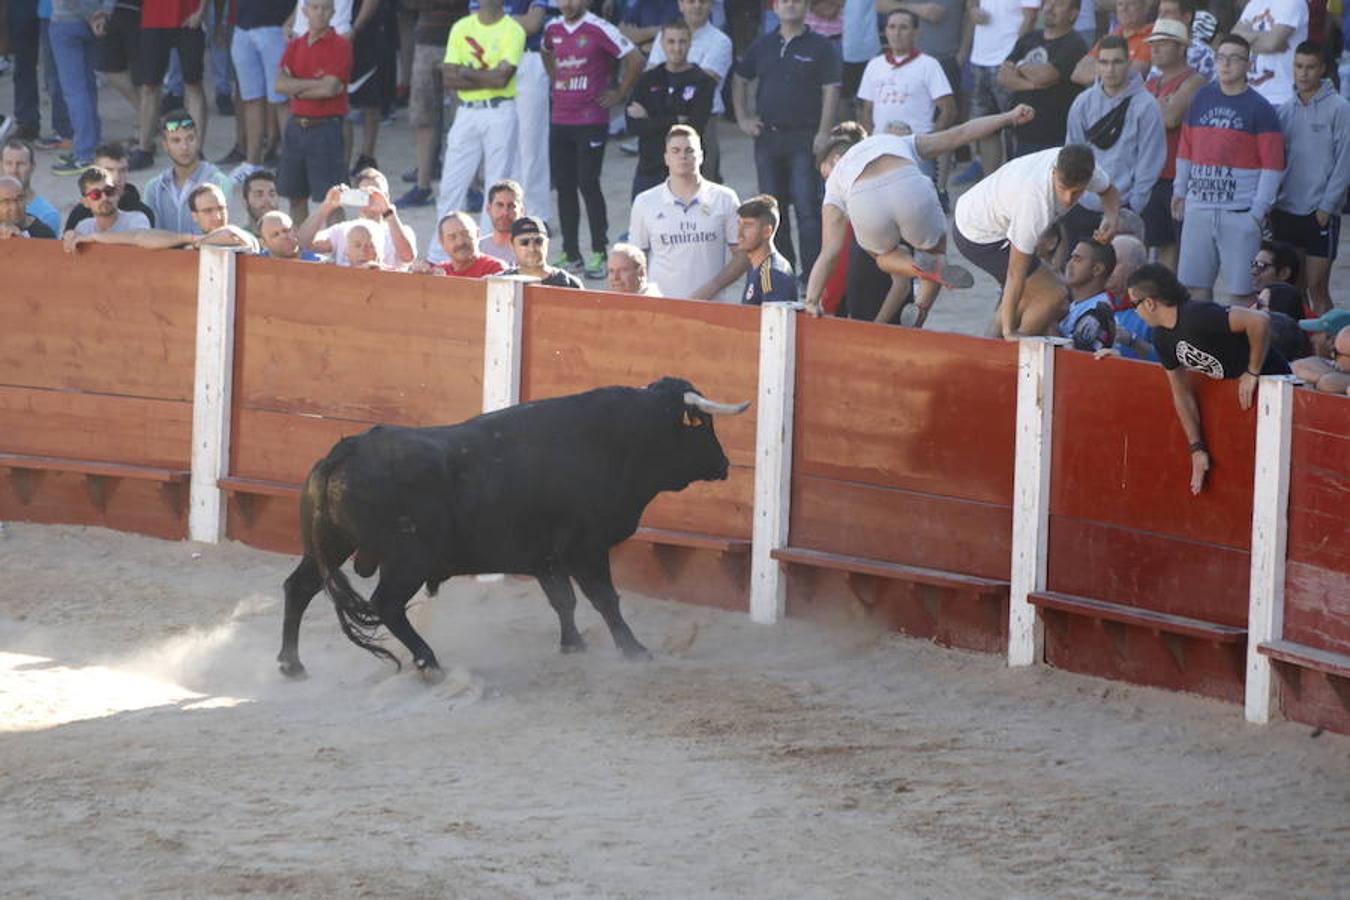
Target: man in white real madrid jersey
<point>687,225</point>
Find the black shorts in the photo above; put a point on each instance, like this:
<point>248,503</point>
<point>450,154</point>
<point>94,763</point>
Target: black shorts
<point>992,258</point>
<point>1077,225</point>
<point>119,47</point>
<point>152,58</point>
<point>952,69</point>
<point>366,51</point>
<point>1304,233</point>
<point>853,73</point>
<point>312,158</point>
<point>1160,229</point>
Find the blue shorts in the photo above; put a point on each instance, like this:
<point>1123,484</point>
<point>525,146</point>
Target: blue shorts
<point>256,53</point>
<point>312,158</point>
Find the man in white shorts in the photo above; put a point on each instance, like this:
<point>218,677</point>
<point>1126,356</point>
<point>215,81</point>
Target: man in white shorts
<point>876,185</point>
<point>1000,221</point>
<point>686,225</point>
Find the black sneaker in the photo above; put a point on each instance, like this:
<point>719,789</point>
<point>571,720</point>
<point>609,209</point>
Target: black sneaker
<point>138,159</point>
<point>272,159</point>
<point>225,104</point>
<point>69,165</point>
<point>233,158</point>
<point>364,162</point>
<point>169,102</point>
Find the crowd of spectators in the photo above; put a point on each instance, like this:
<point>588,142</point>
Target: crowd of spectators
<point>1212,142</point>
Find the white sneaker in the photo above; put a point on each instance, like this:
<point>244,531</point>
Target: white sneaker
<point>7,125</point>
<point>242,171</point>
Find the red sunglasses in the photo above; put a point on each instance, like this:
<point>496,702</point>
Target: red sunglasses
<point>98,194</point>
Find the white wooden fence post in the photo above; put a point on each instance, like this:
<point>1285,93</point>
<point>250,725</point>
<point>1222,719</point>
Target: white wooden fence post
<point>1031,496</point>
<point>773,459</point>
<point>501,340</point>
<point>213,383</point>
<point>1270,532</point>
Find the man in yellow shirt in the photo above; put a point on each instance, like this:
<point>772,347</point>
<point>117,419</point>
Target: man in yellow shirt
<point>480,64</point>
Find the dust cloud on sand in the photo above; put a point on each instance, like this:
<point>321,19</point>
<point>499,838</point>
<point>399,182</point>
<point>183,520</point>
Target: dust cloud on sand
<point>149,748</point>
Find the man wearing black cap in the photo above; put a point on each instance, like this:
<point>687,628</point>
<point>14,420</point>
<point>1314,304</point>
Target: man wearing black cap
<point>529,240</point>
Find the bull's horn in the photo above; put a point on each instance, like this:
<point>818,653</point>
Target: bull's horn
<point>693,398</point>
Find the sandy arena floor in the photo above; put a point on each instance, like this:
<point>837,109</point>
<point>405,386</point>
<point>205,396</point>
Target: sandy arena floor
<point>149,748</point>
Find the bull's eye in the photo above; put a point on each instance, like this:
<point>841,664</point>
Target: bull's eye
<point>693,420</point>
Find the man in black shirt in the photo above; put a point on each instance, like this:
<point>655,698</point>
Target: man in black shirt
<point>113,159</point>
<point>529,240</point>
<point>1200,336</point>
<point>1037,71</point>
<point>796,74</point>
<point>673,93</point>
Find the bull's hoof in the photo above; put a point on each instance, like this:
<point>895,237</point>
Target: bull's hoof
<point>637,653</point>
<point>293,669</point>
<point>430,672</point>
<point>576,646</point>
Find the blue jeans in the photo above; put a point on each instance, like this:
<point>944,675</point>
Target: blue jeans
<point>786,168</point>
<point>60,114</point>
<point>73,46</point>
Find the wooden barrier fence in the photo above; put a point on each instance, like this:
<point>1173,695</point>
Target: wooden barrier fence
<point>1017,498</point>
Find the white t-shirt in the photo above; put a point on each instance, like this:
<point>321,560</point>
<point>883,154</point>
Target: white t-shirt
<point>907,93</point>
<point>385,251</point>
<point>1272,74</point>
<point>125,221</point>
<point>710,50</point>
<point>992,42</point>
<point>851,164</point>
<point>1017,202</point>
<point>686,243</point>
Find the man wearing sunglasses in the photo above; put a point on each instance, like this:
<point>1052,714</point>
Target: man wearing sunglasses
<point>167,192</point>
<point>529,240</point>
<point>112,158</point>
<point>1200,336</point>
<point>99,195</point>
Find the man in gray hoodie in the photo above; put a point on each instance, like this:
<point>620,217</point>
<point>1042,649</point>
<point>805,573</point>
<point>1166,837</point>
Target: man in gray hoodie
<point>1307,213</point>
<point>1123,125</point>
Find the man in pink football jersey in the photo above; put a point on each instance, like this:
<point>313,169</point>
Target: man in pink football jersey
<point>581,51</point>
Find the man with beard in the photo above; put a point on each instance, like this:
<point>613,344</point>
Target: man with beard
<point>112,158</point>
<point>98,196</point>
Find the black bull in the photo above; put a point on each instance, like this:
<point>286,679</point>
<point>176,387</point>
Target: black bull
<point>543,489</point>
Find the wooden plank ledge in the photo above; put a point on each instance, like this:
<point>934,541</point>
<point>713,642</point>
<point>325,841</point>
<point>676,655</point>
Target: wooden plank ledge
<point>859,565</point>
<point>232,484</point>
<point>94,468</point>
<point>1305,657</point>
<point>692,539</point>
<point>1145,618</point>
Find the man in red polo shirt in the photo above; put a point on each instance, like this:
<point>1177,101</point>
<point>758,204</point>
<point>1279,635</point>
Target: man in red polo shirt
<point>166,25</point>
<point>458,233</point>
<point>315,70</point>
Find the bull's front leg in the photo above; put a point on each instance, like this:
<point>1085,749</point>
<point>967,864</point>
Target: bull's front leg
<point>599,589</point>
<point>563,599</point>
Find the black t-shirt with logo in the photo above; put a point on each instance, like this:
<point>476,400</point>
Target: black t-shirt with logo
<point>1052,103</point>
<point>1203,342</point>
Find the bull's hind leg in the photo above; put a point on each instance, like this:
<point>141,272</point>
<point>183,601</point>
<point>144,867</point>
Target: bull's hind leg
<point>564,601</point>
<point>300,588</point>
<point>599,588</point>
<point>391,599</point>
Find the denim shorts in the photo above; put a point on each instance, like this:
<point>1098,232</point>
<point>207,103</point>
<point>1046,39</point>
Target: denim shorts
<point>256,53</point>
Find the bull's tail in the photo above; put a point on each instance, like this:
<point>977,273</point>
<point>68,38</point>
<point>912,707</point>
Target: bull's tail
<point>358,618</point>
